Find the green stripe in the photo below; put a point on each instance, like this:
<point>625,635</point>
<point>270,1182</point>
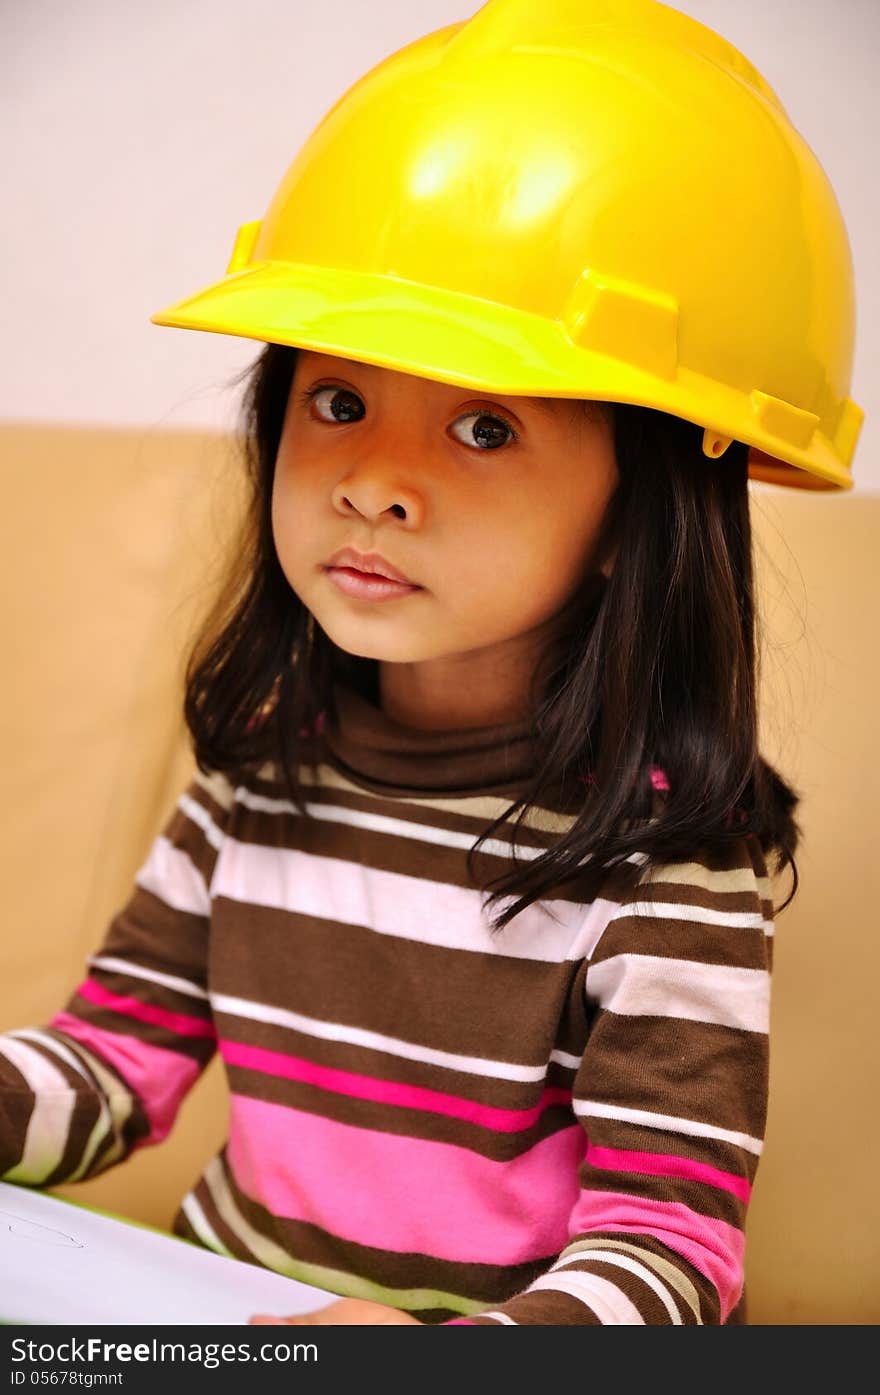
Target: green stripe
<point>351,1286</point>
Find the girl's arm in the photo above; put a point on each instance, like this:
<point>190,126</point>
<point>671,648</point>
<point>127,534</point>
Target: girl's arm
<point>671,1093</point>
<point>107,1074</point>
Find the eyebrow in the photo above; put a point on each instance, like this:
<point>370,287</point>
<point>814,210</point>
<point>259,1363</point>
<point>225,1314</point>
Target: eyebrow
<point>545,405</point>
<point>542,404</point>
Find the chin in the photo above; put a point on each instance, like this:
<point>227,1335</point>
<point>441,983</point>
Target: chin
<point>355,638</point>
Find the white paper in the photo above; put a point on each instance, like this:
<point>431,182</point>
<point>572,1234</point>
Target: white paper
<point>61,1264</point>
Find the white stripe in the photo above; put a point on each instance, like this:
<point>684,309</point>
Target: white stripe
<point>202,1226</point>
<point>115,1089</point>
<point>668,1123</point>
<point>625,1262</point>
<point>394,904</point>
<point>501,1317</point>
<point>673,1276</point>
<point>546,821</point>
<point>199,815</point>
<point>648,985</point>
<point>702,915</point>
<point>376,1041</point>
<point>118,1096</point>
<point>384,823</point>
<point>710,879</point>
<point>218,786</point>
<point>124,966</point>
<point>49,1124</point>
<point>485,807</point>
<point>606,1300</point>
<point>103,1124</point>
<point>171,876</point>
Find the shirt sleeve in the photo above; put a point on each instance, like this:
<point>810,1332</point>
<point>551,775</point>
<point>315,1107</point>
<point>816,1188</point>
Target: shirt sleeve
<point>671,1093</point>
<point>106,1075</point>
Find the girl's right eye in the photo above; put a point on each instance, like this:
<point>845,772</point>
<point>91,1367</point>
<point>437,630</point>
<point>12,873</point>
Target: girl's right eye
<point>341,415</point>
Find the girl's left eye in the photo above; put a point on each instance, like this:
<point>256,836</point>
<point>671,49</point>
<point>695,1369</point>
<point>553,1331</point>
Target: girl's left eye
<point>490,431</point>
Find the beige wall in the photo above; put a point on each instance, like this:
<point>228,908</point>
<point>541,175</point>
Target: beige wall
<point>108,539</point>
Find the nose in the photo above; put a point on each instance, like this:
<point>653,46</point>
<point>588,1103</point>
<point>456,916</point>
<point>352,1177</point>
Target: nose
<point>370,491</point>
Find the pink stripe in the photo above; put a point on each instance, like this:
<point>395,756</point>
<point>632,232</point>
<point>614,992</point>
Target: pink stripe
<point>713,1247</point>
<point>668,1165</point>
<point>402,1194</point>
<point>158,1078</point>
<point>177,1022</point>
<point>366,1087</point>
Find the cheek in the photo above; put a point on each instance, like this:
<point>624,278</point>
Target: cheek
<point>289,517</point>
<point>537,554</point>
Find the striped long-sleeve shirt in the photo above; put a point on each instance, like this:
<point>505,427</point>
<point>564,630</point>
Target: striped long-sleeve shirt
<point>559,1123</point>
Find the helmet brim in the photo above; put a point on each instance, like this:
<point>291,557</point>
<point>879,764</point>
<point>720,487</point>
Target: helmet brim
<point>436,333</point>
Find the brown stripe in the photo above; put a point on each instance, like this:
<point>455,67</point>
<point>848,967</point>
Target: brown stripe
<point>469,1003</point>
<point>735,946</point>
<point>17,1107</point>
<point>693,893</point>
<point>544,1308</point>
<point>153,934</point>
<point>693,1069</point>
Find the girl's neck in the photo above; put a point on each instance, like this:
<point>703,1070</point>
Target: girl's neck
<point>444,703</point>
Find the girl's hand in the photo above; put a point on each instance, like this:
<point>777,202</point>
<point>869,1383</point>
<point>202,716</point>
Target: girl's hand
<point>343,1311</point>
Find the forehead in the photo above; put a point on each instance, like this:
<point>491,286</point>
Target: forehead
<point>310,361</point>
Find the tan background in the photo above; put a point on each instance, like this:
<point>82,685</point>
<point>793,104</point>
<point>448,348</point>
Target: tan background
<point>110,543</point>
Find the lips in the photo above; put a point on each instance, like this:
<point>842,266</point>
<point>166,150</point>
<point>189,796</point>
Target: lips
<point>370,562</point>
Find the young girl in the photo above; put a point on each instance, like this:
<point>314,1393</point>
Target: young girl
<point>472,888</point>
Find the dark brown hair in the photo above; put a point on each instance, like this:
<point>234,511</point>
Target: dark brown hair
<point>657,665</point>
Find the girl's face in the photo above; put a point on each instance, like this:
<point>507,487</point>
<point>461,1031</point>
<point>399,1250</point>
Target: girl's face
<point>490,505</point>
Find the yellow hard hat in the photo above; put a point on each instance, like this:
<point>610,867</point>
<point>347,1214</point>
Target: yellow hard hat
<point>579,198</point>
